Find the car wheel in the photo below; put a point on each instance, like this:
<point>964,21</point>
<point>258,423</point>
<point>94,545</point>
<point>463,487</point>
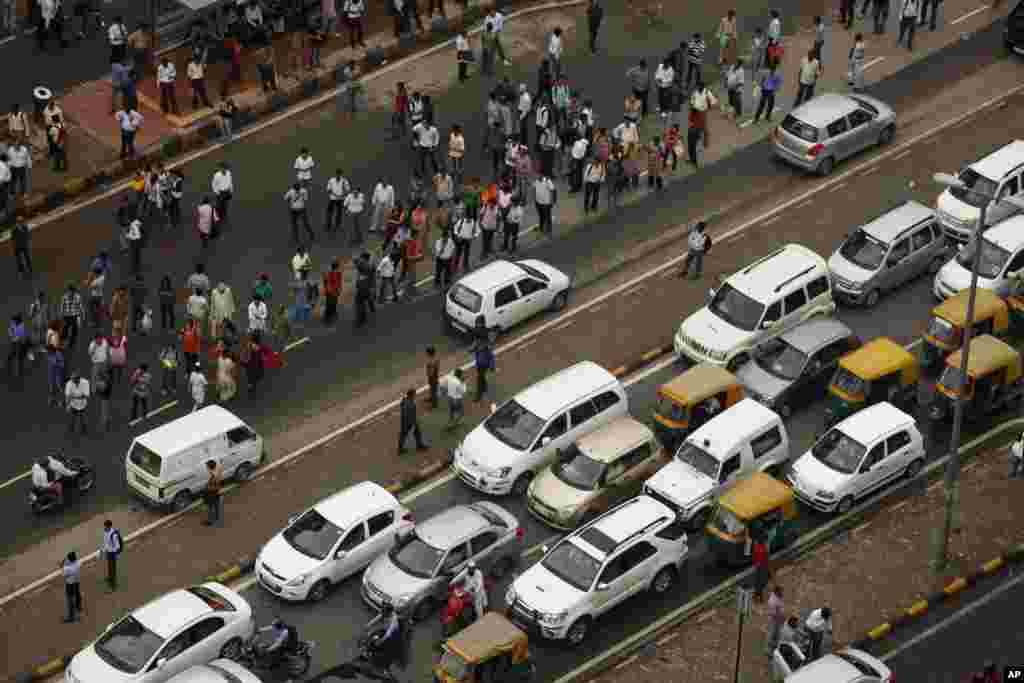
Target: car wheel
<point>886,136</point>
<point>244,472</point>
<point>844,505</point>
<point>522,483</point>
<point>423,610</point>
<point>914,468</point>
<point>871,300</point>
<point>560,300</point>
<point>578,632</point>
<point>232,649</point>
<point>663,581</point>
<point>936,265</point>
<point>181,501</point>
<point>700,519</point>
<point>319,590</point>
<point>784,410</point>
<point>826,166</point>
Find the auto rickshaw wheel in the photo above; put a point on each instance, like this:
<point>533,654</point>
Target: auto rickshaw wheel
<point>663,581</point>
<point>577,633</point>
<point>871,300</point>
<point>914,468</point>
<point>845,503</point>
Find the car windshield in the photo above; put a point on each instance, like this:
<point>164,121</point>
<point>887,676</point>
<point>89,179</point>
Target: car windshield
<point>781,359</point>
<point>454,666</point>
<point>990,261</point>
<point>530,270</point>
<point>699,459</point>
<point>466,298</point>
<point>416,557</point>
<point>865,105</point>
<point>861,249</point>
<point>977,190</point>
<point>943,330</point>
<point>578,470</point>
<point>727,521</point>
<point>572,565</point>
<point>312,535</point>
<point>839,451</point>
<point>849,383</point>
<point>795,126</point>
<point>736,308</point>
<point>128,645</point>
<point>514,426</point>
<point>145,459</point>
<point>952,378</point>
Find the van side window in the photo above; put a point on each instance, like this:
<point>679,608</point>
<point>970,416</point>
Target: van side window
<point>558,427</point>
<point>582,412</point>
<point>817,287</point>
<point>528,286</point>
<point>379,523</point>
<point>240,435</point>
<point>505,296</point>
<point>766,442</point>
<point>1016,263</point>
<point>1011,187</point>
<point>355,537</point>
<point>897,441</point>
<point>858,117</point>
<point>921,239</point>
<point>900,251</point>
<point>795,300</point>
<point>838,127</point>
<point>605,401</point>
<point>728,468</point>
<point>773,313</point>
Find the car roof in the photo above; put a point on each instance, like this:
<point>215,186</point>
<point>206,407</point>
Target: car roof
<point>836,668</point>
<point>1007,234</point>
<point>810,336</point>
<point>547,397</point>
<point>217,671</point>
<point>633,515</point>
<point>451,526</point>
<point>776,271</point>
<point>824,109</point>
<point>877,419</point>
<point>729,426</point>
<point>1000,162</point>
<point>348,506</point>
<point>613,438</point>
<point>494,274</point>
<point>188,430</point>
<point>895,222</point>
<point>168,613</point>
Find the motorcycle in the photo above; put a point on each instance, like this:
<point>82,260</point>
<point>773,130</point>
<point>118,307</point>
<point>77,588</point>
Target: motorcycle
<point>43,500</point>
<point>296,660</point>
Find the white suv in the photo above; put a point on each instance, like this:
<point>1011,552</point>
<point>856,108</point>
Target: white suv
<point>762,301</point>
<point>636,546</point>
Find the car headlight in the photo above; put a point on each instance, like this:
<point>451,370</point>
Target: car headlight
<point>510,596</point>
<point>826,495</point>
<point>299,580</point>
<point>553,619</point>
<point>502,472</point>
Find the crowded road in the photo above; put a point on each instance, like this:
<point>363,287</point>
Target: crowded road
<point>331,364</point>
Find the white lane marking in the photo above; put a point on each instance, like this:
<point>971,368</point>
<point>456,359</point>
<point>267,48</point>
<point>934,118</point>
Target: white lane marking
<point>15,479</point>
<point>765,218</point>
<point>902,154</point>
<point>631,292</point>
<point>166,406</point>
<point>595,309</point>
<point>869,171</point>
<point>297,342</point>
<point>669,638</point>
<point>840,186</point>
<point>8,39</point>
<point>876,60</point>
<point>953,618</point>
<point>626,662</point>
<point>732,239</point>
<point>523,346</point>
<point>805,204</point>
<point>772,220</point>
<point>565,325</point>
<point>427,487</point>
<point>965,17</point>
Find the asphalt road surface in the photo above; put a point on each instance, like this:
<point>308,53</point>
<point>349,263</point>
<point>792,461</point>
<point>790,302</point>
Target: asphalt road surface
<point>321,371</point>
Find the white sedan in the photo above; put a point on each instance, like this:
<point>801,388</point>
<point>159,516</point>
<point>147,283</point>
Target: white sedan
<point>505,293</point>
<point>217,671</point>
<point>164,637</point>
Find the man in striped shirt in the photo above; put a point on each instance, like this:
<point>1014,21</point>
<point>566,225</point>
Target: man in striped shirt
<point>694,59</point>
<point>71,310</point>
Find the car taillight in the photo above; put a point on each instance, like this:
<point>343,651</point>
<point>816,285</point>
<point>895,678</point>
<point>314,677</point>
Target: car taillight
<point>816,150</point>
<point>892,678</point>
<point>519,533</point>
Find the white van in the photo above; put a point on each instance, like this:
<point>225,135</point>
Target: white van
<point>986,182</point>
<point>760,302</point>
<point>746,438</point>
<point>167,465</point>
<point>524,434</point>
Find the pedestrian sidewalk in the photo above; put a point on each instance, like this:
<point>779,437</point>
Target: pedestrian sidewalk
<point>867,576</point>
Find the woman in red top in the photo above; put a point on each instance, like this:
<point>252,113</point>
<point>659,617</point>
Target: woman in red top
<point>190,342</point>
<point>761,572</point>
<point>671,144</point>
<point>398,116</point>
<point>332,290</point>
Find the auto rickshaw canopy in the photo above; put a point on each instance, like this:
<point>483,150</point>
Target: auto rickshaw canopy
<point>758,494</point>
<point>988,354</point>
<point>697,383</point>
<point>489,637</point>
<point>881,357</point>
<point>987,304</point>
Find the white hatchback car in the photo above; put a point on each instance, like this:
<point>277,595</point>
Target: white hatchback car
<point>331,541</point>
<point>164,637</point>
<point>857,457</point>
<point>217,671</point>
<point>506,293</point>
<point>1000,265</point>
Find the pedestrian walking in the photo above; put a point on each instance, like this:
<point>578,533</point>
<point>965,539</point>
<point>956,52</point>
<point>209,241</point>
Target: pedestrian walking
<point>141,381</point>
<point>130,121</point>
<point>76,396</point>
<point>258,315</point>
<point>930,8</point>
<point>386,275</point>
<point>57,137</point>
<point>72,312</point>
<point>455,389</point>
<point>819,39</point>
<point>427,140</point>
<point>170,360</point>
<point>212,495</point>
<point>695,50</point>
<point>17,335</point>
<point>819,625</point>
<point>908,22</point>
<point>880,13</point>
<point>205,219</point>
<point>19,159</point>
<point>71,570</point>
<point>222,308</point>
<point>166,78</point>
<point>698,245</point>
<point>332,291</point>
<point>223,187</point>
<point>1017,457</point>
<point>735,79</point>
<point>770,84</point>
<point>456,151</point>
<point>337,189</point>
<point>639,78</point>
<point>728,39</point>
<point>227,111</point>
<point>701,102</point>
<point>400,112</point>
<point>855,73</point>
<point>555,49</point>
<point>595,17</point>
<point>382,201</point>
<point>762,570</point>
<point>297,198</point>
<point>99,356</point>
<point>21,237</point>
<point>483,357</point>
<point>776,617</point>
<point>594,176</point>
<point>773,48</point>
<point>133,235</point>
<point>810,71</point>
<point>364,289</point>
<point>354,11</point>
<point>197,384</point>
<point>252,358</point>
<point>463,56</point>
<point>355,203</point>
<point>410,423</point>
<point>196,72</point>
<point>103,390</point>
<point>498,21</point>
<point>545,196</point>
<point>303,166</point>
<point>664,77</point>
<point>466,231</point>
<point>444,252</point>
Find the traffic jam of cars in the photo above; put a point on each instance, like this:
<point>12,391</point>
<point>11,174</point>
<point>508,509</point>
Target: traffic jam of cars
<point>625,491</point>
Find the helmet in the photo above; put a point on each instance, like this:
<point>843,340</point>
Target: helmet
<point>471,565</point>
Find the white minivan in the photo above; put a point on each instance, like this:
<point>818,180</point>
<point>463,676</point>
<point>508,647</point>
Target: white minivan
<point>167,465</point>
<point>746,438</point>
<point>505,293</point>
<point>986,183</point>
<point>523,435</point>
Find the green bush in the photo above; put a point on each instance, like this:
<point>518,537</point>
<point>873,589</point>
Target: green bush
<point>170,147</point>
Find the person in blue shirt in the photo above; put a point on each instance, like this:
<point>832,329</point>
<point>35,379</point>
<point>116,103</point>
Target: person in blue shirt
<point>18,336</point>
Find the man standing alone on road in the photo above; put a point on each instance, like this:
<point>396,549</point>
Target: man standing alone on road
<point>810,71</point>
<point>129,120</point>
<point>71,568</point>
<point>410,423</point>
<point>698,243</point>
<point>223,186</point>
<point>297,198</point>
<point>214,481</point>
<point>545,196</point>
<point>110,548</point>
<point>166,76</point>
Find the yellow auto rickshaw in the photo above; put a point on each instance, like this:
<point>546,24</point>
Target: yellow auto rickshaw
<point>759,507</point>
<point>881,370</point>
<point>946,327</point>
<point>691,399</point>
<point>993,380</point>
<point>490,650</point>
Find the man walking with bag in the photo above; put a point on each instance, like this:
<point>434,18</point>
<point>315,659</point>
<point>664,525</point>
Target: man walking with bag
<point>110,548</point>
<point>699,243</point>
<point>410,423</point>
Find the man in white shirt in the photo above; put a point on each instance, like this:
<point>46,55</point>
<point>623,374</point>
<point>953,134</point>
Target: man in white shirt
<point>386,275</point>
<point>223,186</point>
<point>19,160</point>
<point>465,232</point>
<point>444,252</point>
<point>455,388</point>
<point>337,189</point>
<point>463,56</point>
<point>555,52</point>
<point>383,200</point>
<point>117,36</point>
<point>664,75</point>
<point>166,75</point>
<point>196,73</point>
<point>810,70</point>
<point>304,165</point>
<point>524,108</point>
<point>134,237</point>
<point>545,195</point>
<point>355,204</point>
<point>257,315</point>
<point>429,139</point>
<point>129,120</point>
<point>76,396</point>
<point>593,177</point>
<point>297,198</point>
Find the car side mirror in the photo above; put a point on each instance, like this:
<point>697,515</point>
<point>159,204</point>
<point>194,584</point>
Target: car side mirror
<point>711,293</point>
<point>340,555</point>
<point>161,662</point>
<point>602,587</point>
<point>767,324</point>
<point>545,441</point>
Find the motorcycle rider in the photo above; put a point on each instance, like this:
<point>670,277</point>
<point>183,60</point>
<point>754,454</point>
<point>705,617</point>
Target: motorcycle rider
<point>385,643</point>
<point>283,639</point>
<point>41,476</point>
<point>472,579</point>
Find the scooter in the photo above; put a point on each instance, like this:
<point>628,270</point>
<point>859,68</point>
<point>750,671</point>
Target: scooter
<point>295,661</point>
<point>43,500</point>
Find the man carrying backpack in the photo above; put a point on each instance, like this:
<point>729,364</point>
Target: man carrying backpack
<point>110,547</point>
